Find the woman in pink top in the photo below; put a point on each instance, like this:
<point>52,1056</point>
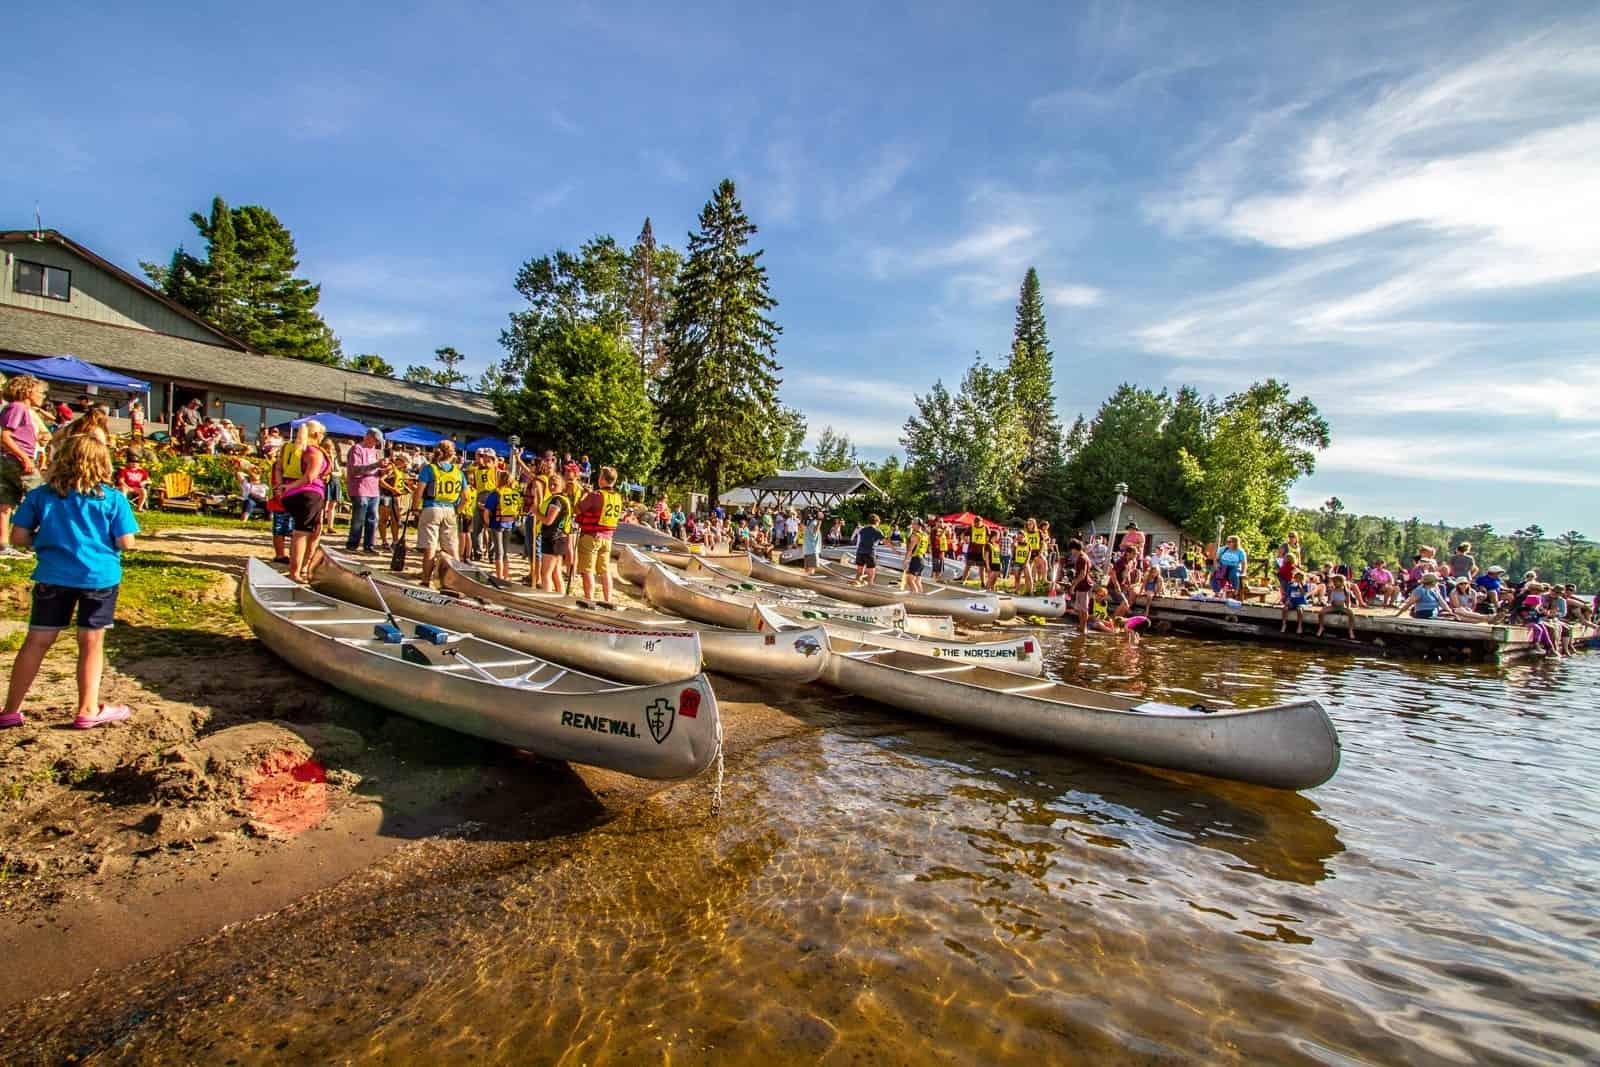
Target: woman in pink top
<point>304,465</point>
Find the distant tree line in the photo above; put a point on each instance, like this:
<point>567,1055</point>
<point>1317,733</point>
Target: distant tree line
<point>1332,534</point>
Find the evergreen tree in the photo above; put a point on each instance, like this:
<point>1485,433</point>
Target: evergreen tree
<point>246,285</point>
<point>719,395</point>
<point>791,429</point>
<point>652,270</point>
<point>449,359</point>
<point>1033,389</point>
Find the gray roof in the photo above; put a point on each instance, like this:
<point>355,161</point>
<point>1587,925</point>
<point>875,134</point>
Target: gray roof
<point>816,481</point>
<point>228,364</point>
<point>147,354</point>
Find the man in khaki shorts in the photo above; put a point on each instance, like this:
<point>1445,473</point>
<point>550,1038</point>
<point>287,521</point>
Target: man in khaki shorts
<point>439,485</point>
<point>598,515</point>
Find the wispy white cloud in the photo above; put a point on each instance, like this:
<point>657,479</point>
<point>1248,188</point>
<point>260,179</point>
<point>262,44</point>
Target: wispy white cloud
<point>1442,459</point>
<point>1459,180</point>
<point>1074,296</point>
<point>563,122</point>
<point>548,199</point>
<point>850,192</point>
<point>849,391</point>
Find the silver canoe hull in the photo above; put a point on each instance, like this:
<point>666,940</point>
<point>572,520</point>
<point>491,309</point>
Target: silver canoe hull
<point>973,608</point>
<point>656,731</point>
<point>817,606</point>
<point>604,649</point>
<point>1011,606</point>
<point>806,641</point>
<point>1018,655</point>
<point>1287,746</point>
<point>743,653</point>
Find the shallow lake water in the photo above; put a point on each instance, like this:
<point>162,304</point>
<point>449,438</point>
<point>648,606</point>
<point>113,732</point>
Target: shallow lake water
<point>884,890</point>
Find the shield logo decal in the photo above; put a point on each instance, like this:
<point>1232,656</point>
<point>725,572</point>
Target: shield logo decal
<point>659,716</point>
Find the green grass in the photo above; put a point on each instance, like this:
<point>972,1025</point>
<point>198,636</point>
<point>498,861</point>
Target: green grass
<point>177,520</point>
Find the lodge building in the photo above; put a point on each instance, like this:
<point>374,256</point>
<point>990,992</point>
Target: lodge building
<point>59,298</point>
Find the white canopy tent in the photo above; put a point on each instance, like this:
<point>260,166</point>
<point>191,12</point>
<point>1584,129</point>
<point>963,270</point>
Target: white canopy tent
<point>808,486</point>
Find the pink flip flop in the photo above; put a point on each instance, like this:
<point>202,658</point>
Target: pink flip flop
<point>11,719</point>
<point>107,713</point>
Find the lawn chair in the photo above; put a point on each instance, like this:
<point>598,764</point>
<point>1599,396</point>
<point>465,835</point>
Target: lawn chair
<point>177,493</point>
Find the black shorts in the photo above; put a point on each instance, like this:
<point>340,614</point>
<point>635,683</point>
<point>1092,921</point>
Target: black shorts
<point>975,554</point>
<point>915,569</point>
<point>53,606</point>
<point>552,542</point>
<point>306,511</point>
<point>866,559</point>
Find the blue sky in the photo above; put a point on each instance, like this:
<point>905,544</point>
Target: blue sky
<point>1393,207</point>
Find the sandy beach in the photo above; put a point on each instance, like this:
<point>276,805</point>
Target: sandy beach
<point>242,788</point>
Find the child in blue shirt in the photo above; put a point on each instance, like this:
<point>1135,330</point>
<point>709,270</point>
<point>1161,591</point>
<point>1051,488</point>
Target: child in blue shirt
<point>1294,596</point>
<point>78,526</point>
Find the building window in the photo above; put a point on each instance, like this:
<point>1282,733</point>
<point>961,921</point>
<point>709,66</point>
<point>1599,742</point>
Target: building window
<point>36,279</point>
<point>279,416</point>
<point>245,416</point>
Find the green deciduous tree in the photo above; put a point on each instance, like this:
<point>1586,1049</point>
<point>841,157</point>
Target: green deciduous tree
<point>719,393</point>
<point>246,284</point>
<point>582,392</point>
<point>371,363</point>
<point>791,430</point>
<point>834,450</point>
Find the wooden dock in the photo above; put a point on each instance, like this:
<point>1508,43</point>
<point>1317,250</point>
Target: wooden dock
<point>1377,631</point>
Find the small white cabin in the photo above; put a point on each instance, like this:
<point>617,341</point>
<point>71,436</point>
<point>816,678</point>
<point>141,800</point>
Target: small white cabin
<point>1156,527</point>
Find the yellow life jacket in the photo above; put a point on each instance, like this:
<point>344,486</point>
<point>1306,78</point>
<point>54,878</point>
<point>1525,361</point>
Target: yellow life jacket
<point>446,483</point>
<point>994,552</point>
<point>610,508</point>
<point>980,534</point>
<point>943,541</point>
<point>510,503</point>
<point>485,479</point>
<point>1035,541</point>
<point>293,461</point>
<point>919,544</point>
<point>468,500</point>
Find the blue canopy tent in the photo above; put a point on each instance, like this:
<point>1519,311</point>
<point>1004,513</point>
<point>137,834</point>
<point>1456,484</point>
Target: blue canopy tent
<point>414,435</point>
<point>498,445</point>
<point>336,425</point>
<point>75,371</point>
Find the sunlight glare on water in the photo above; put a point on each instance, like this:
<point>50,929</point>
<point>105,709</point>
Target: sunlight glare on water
<point>884,890</point>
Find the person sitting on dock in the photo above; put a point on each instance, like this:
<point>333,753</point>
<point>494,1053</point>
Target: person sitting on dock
<point>1151,585</point>
<point>1464,601</point>
<point>1425,601</point>
<point>1294,596</point>
<point>1341,599</point>
<point>1378,585</point>
<point>1231,562</point>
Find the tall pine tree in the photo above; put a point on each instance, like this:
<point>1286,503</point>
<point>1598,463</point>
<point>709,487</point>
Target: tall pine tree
<point>1032,380</point>
<point>719,397</point>
<point>246,284</point>
<point>652,269</point>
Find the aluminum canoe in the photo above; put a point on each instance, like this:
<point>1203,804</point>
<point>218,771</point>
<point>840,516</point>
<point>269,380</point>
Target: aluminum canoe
<point>1286,746</point>
<point>738,562</point>
<point>484,689</point>
<point>890,558</point>
<point>744,653</point>
<point>824,607</point>
<point>965,606</point>
<point>601,647</point>
<point>1011,605</point>
<point>1018,655</point>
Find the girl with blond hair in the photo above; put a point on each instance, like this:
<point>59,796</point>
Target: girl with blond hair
<point>78,528</point>
<point>304,466</point>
